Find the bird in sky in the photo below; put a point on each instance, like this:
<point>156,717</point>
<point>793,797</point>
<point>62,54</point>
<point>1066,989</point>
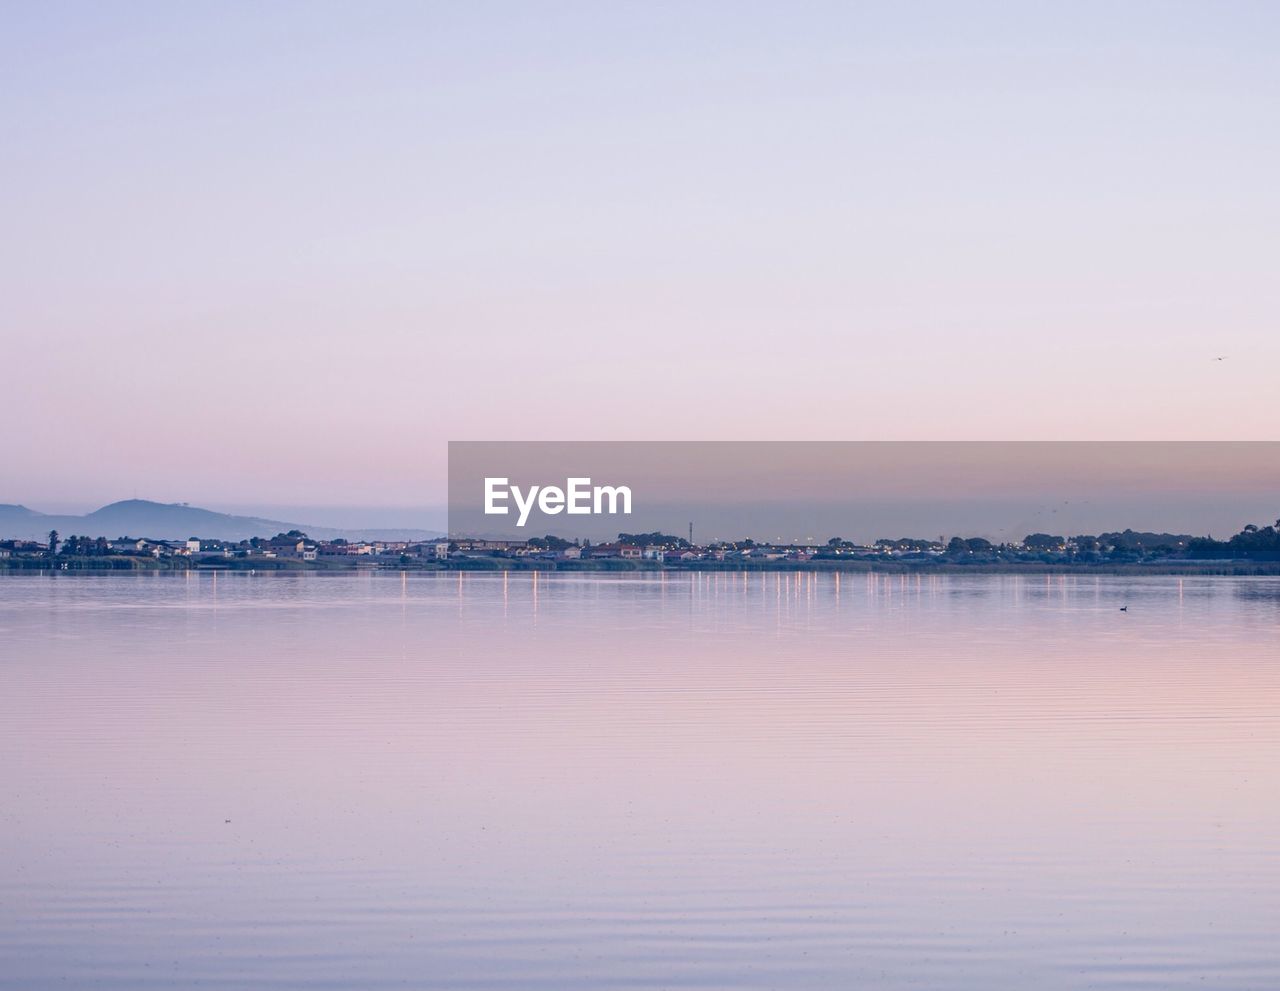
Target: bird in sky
<point>1221,357</point>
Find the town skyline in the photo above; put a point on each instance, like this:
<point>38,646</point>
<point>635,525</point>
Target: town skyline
<point>1255,544</point>
<point>1254,550</point>
<point>177,521</point>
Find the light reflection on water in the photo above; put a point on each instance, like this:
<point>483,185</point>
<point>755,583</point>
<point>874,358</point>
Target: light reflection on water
<point>585,781</point>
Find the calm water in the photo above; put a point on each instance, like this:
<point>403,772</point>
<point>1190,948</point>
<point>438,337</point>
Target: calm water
<point>587,782</point>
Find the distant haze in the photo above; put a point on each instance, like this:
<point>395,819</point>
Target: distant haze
<point>349,517</point>
<point>141,518</point>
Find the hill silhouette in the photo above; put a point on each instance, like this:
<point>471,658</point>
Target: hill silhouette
<point>174,521</point>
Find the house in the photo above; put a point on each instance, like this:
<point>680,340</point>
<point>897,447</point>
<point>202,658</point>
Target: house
<point>298,548</point>
<point>341,548</point>
<point>28,547</point>
<point>214,548</point>
<point>441,550</point>
<point>630,552</point>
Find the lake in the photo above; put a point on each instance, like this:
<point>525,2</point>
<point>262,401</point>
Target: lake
<point>651,781</point>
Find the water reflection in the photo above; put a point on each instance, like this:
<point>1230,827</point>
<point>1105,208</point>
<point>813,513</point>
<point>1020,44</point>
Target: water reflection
<point>575,781</point>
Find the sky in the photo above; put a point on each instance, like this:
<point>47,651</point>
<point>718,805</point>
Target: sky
<point>278,255</point>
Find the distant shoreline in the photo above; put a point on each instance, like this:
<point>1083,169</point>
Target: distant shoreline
<point>135,565</point>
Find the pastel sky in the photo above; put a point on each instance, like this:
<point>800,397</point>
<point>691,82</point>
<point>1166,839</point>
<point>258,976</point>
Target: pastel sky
<point>280,253</point>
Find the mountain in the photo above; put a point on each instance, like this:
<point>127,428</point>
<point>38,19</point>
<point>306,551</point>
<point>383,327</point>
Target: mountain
<point>174,521</point>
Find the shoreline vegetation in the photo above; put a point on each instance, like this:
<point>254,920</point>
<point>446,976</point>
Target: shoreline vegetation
<point>1253,551</point>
